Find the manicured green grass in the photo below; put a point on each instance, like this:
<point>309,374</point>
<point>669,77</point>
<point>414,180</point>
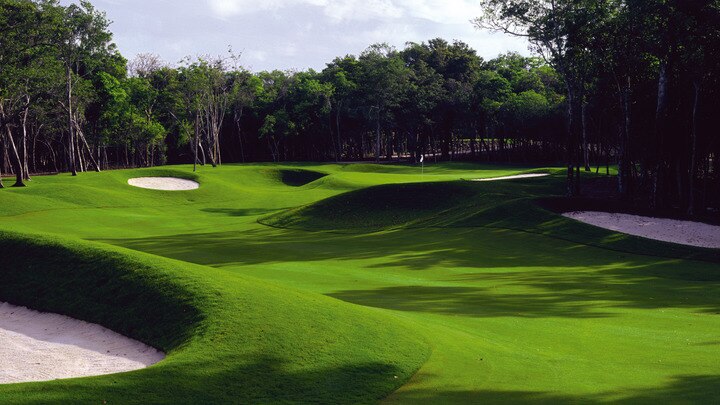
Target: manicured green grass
<point>323,283</point>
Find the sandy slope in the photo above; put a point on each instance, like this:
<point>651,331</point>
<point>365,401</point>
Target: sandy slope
<point>37,346</point>
<point>668,230</point>
<point>164,183</point>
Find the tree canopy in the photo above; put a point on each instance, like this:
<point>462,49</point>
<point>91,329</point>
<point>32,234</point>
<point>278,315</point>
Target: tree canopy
<point>624,82</point>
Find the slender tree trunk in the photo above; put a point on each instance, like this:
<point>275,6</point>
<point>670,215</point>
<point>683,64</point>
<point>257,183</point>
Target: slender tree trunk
<point>337,132</point>
<point>693,150</point>
<point>586,150</point>
<point>202,154</point>
<point>52,155</point>
<point>377,137</point>
<point>570,144</point>
<point>15,158</point>
<point>660,115</point>
<point>624,170</point>
<point>71,126</point>
<point>240,139</point>
<point>79,152</point>
<point>197,143</point>
<point>23,145</point>
<point>36,133</point>
<point>81,136</point>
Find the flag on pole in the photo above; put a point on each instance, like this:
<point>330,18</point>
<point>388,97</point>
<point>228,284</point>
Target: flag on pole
<point>422,158</point>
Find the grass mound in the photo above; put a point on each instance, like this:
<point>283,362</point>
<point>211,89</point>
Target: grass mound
<point>517,303</point>
<point>377,207</point>
<point>296,177</point>
<point>228,338</point>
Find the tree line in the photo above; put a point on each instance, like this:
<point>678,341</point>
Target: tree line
<point>643,73</point>
<point>626,82</point>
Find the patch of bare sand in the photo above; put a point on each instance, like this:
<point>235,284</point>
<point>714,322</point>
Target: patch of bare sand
<point>518,176</point>
<point>164,183</point>
<point>36,346</point>
<point>663,229</point>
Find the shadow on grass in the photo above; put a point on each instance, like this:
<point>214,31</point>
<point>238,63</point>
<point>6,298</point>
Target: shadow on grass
<point>243,212</point>
<point>703,389</point>
<point>231,380</point>
<point>473,301</point>
<point>484,272</point>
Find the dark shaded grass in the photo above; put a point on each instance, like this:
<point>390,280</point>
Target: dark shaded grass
<point>124,294</point>
<point>229,339</point>
<point>680,390</point>
<point>516,205</point>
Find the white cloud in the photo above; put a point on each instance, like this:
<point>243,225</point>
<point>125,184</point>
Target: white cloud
<point>442,11</point>
<point>292,34</point>
<point>336,10</point>
<point>362,10</point>
<point>229,8</point>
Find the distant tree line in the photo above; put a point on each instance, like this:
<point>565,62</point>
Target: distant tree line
<point>626,82</point>
<point>639,78</point>
<point>70,102</point>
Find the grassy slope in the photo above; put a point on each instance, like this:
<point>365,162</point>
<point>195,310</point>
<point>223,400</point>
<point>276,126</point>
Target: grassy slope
<point>510,315</point>
<point>229,339</point>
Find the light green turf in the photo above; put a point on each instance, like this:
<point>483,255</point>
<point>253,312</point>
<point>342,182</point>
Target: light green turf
<point>495,299</point>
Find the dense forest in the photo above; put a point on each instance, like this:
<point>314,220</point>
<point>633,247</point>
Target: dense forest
<point>615,82</point>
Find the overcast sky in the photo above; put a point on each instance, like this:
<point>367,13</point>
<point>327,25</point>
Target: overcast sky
<point>292,34</point>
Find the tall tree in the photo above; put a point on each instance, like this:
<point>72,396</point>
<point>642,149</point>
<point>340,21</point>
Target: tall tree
<point>555,28</point>
<point>384,78</point>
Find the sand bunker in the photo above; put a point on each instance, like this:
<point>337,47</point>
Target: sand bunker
<point>37,346</point>
<point>164,183</point>
<point>519,176</point>
<point>667,230</point>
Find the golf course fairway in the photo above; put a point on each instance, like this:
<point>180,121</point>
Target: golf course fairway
<point>335,283</point>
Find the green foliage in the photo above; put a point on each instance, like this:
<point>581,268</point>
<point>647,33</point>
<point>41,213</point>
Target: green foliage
<point>128,112</point>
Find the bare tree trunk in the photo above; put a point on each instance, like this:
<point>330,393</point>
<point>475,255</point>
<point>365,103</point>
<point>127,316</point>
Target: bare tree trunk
<point>71,126</point>
<point>624,170</point>
<point>586,150</point>
<point>660,113</point>
<point>377,137</point>
<point>36,133</point>
<point>23,145</point>
<point>197,142</point>
<point>337,127</point>
<point>570,144</point>
<point>52,155</point>
<point>79,151</point>
<point>81,136</point>
<point>240,139</point>
<point>15,158</point>
<point>202,154</point>
<point>693,150</point>
<point>210,131</point>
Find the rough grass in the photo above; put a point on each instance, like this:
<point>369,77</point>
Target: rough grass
<point>368,273</point>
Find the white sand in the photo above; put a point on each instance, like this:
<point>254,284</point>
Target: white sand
<point>164,183</point>
<point>667,230</point>
<point>519,176</point>
<point>37,346</point>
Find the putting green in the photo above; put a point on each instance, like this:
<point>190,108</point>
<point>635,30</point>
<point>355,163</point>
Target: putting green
<point>359,283</point>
